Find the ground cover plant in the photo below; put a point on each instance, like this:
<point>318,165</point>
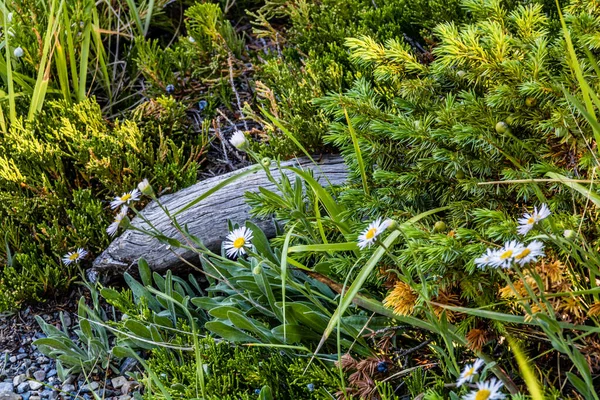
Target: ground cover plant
<point>460,260</point>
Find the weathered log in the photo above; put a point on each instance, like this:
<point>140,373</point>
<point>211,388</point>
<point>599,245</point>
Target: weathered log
<point>207,220</point>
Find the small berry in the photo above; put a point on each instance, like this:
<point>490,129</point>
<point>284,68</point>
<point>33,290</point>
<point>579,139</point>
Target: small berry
<point>530,101</point>
<point>502,127</point>
<point>256,391</point>
<point>461,73</point>
<point>202,104</point>
<point>382,367</point>
<point>460,175</point>
<point>170,88</point>
<point>311,387</point>
<point>440,226</point>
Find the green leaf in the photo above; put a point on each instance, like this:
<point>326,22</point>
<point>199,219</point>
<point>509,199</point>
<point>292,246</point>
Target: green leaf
<point>221,312</point>
<point>579,384</point>
<point>138,329</point>
<point>145,272</point>
<point>265,393</point>
<point>110,294</point>
<point>123,352</point>
<point>261,243</point>
<point>229,332</point>
<point>294,333</point>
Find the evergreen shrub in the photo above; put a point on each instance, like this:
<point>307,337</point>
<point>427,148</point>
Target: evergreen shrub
<point>308,57</point>
<point>57,174</point>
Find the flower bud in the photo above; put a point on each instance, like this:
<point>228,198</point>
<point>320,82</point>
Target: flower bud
<point>238,140</point>
<point>145,187</point>
<point>266,162</point>
<point>390,224</point>
<point>257,270</point>
<point>570,234</point>
<point>18,52</point>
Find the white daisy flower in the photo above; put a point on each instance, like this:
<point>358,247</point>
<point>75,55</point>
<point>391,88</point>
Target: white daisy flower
<point>74,256</point>
<point>18,52</point>
<point>145,188</point>
<point>529,220</point>
<point>488,390</point>
<point>126,198</point>
<point>375,228</point>
<point>114,227</point>
<point>486,260</point>
<point>530,253</point>
<point>238,140</point>
<point>237,241</point>
<point>469,371</point>
<point>505,256</point>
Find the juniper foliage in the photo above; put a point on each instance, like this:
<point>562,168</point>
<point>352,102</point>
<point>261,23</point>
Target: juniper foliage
<point>57,175</point>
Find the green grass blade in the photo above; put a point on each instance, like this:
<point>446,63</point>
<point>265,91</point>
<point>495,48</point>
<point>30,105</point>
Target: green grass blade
<point>149,12</point>
<point>357,152</point>
<point>333,209</point>
<point>84,62</point>
<point>134,12</point>
<point>217,187</point>
<point>287,133</point>
<point>587,192</point>
<point>348,246</point>
<point>283,265</point>
<point>12,113</point>
<point>527,373</point>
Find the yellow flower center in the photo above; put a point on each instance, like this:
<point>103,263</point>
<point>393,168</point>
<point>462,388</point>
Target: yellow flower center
<point>371,233</point>
<point>506,254</point>
<point>74,256</point>
<point>531,220</point>
<point>470,372</point>
<point>239,243</point>
<point>523,254</point>
<point>483,394</point>
<point>126,197</point>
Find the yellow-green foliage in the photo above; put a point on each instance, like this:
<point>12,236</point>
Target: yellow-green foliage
<point>311,58</point>
<point>236,372</point>
<point>58,173</point>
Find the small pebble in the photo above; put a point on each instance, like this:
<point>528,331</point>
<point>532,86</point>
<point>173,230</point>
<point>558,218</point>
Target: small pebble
<point>67,387</point>
<point>23,387</point>
<point>39,375</point>
<point>118,381</point>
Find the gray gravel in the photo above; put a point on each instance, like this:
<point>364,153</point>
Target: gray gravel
<point>26,374</point>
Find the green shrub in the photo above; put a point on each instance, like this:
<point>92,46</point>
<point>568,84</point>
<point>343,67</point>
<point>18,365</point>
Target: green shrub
<point>57,173</point>
<point>313,59</point>
<point>236,372</point>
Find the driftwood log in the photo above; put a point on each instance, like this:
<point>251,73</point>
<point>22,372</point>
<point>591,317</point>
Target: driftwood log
<point>207,220</point>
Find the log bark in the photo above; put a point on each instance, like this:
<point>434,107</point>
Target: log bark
<point>207,220</point>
